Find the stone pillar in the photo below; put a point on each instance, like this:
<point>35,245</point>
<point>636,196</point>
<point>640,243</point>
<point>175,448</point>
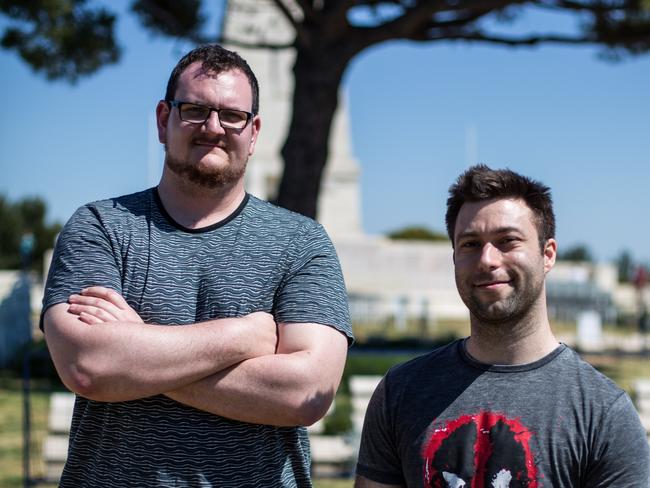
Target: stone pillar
<point>260,21</point>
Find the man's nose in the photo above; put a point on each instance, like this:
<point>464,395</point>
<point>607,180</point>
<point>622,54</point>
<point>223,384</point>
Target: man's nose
<point>490,256</point>
<point>212,123</point>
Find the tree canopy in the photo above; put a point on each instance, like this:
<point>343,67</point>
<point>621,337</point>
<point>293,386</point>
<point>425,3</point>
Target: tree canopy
<point>69,39</point>
<point>21,222</point>
<point>417,233</point>
<point>579,252</point>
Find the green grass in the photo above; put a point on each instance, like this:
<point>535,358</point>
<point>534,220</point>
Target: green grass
<point>622,369</point>
<point>447,330</point>
<point>439,329</point>
<point>11,440</point>
<point>333,483</point>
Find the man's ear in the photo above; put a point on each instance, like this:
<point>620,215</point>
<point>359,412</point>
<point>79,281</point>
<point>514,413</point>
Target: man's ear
<point>163,110</point>
<point>256,125</point>
<point>550,254</point>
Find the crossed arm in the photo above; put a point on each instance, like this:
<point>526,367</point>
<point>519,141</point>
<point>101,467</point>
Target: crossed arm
<point>103,351</point>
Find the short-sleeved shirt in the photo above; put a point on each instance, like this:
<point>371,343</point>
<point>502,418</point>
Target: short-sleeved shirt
<point>447,420</point>
<point>261,258</point>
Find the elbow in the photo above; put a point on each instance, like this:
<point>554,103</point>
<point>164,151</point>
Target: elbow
<point>84,381</point>
<point>309,416</point>
<point>76,381</point>
<point>313,407</point>
<point>82,369</point>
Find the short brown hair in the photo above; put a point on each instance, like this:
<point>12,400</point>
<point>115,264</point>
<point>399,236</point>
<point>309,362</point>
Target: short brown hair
<point>483,183</point>
<point>215,59</point>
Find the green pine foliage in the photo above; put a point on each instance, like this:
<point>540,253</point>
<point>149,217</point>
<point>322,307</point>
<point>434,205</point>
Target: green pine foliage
<point>19,220</point>
<point>417,233</point>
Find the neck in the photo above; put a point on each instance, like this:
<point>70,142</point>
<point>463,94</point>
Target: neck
<point>194,206</point>
<point>520,342</point>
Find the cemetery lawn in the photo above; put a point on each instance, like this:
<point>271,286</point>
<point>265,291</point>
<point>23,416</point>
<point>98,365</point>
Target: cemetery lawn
<point>11,426</point>
<point>623,369</point>
<point>333,483</point>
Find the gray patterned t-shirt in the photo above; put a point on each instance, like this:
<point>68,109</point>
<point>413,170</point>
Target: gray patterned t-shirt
<point>261,258</point>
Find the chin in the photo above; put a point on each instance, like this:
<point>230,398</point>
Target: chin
<point>491,312</point>
<point>212,162</point>
<point>207,174</point>
<point>494,316</point>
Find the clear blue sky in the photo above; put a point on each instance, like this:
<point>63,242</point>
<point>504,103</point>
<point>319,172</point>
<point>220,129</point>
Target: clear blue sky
<point>419,115</point>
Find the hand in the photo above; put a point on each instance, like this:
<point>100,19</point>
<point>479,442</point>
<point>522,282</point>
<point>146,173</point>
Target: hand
<point>263,333</point>
<point>98,304</point>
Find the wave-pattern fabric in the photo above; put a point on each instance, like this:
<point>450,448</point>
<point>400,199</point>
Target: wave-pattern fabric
<point>261,258</point>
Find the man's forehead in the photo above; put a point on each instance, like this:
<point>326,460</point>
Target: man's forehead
<point>494,214</point>
<point>231,81</point>
<point>196,70</point>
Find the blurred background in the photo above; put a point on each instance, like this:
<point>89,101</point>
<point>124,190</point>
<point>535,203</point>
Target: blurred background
<point>389,102</point>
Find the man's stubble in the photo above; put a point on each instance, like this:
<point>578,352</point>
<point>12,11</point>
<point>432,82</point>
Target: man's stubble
<point>203,176</point>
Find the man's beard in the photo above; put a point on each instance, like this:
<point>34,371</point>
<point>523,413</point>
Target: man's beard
<point>510,309</point>
<point>205,176</point>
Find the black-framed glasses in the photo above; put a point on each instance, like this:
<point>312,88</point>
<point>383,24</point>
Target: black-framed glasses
<point>198,114</point>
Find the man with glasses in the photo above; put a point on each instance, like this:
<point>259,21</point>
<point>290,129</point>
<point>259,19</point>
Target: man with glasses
<point>509,406</point>
<point>199,326</point>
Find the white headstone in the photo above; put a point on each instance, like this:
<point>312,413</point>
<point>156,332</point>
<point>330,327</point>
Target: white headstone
<point>590,331</point>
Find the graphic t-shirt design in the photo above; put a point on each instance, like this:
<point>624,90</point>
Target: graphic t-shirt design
<point>482,450</point>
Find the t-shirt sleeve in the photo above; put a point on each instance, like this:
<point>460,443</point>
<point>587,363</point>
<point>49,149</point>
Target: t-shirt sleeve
<point>378,455</point>
<point>83,256</point>
<point>621,456</point>
<point>313,289</point>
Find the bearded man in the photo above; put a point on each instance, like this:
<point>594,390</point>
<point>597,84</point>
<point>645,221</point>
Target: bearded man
<point>508,406</point>
<point>200,327</point>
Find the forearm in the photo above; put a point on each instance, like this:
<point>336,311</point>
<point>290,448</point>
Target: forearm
<point>279,390</point>
<point>285,389</point>
<point>118,361</point>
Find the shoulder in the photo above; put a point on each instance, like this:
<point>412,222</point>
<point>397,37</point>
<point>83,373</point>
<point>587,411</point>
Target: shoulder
<point>578,383</point>
<point>276,226</point>
<point>593,383</point>
<point>132,204</point>
<point>108,219</point>
<point>125,206</point>
<point>440,356</point>
<point>272,216</point>
<point>442,361</point>
<point>609,422</point>
<point>414,392</point>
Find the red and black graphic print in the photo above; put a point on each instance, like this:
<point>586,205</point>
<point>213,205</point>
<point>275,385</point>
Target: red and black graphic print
<point>483,450</point>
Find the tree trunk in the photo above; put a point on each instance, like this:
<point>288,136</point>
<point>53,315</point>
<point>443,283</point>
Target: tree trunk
<point>317,75</point>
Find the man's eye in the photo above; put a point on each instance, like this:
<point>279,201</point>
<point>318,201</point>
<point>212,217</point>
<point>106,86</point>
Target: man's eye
<point>193,110</point>
<point>469,244</point>
<point>232,116</point>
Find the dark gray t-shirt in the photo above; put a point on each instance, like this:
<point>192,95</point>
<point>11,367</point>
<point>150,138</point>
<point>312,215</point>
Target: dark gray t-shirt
<point>261,258</point>
<point>446,420</point>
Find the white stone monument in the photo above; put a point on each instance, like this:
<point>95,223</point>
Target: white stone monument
<point>378,272</point>
<point>259,21</point>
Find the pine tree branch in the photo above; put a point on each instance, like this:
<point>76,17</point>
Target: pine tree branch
<point>255,45</point>
<point>511,41</point>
